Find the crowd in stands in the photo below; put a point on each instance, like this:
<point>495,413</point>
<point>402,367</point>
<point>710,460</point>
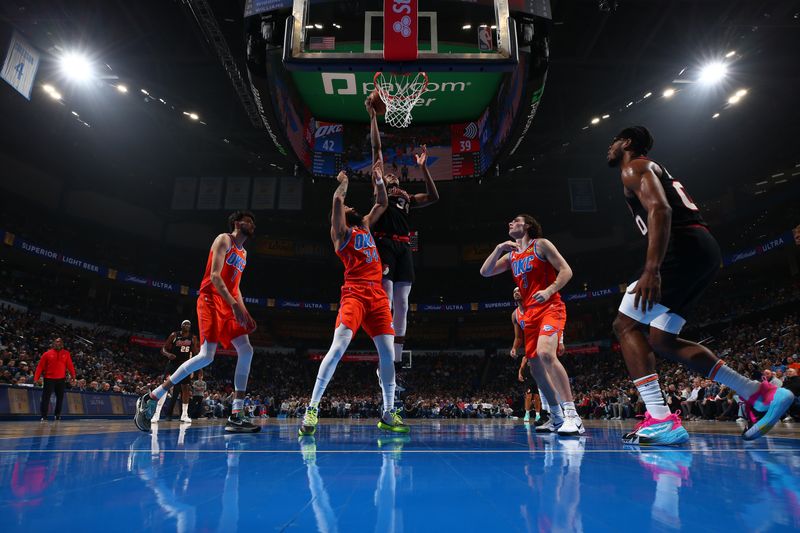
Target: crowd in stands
<point>764,345</point>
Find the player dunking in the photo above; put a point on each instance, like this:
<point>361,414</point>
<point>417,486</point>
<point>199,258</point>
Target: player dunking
<point>178,348</point>
<point>682,259</point>
<point>392,230</point>
<point>363,304</point>
<point>540,272</point>
<point>223,319</point>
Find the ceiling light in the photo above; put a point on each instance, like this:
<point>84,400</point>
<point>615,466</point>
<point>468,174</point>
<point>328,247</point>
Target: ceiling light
<point>121,88</point>
<point>309,26</point>
<point>77,67</point>
<point>595,120</point>
<point>741,92</point>
<point>668,93</point>
<point>493,27</point>
<point>48,88</point>
<point>731,53</point>
<point>734,99</point>
<point>629,104</point>
<point>318,26</point>
<point>55,95</point>
<point>713,73</point>
<point>145,92</point>
<point>606,116</point>
<point>466,26</point>
<point>76,114</point>
<point>192,115</point>
<point>648,95</point>
<point>715,115</point>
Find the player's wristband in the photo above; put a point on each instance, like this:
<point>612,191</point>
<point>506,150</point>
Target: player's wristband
<point>379,181</point>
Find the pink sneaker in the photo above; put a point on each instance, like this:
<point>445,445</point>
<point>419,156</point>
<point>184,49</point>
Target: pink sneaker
<point>771,403</point>
<point>651,431</point>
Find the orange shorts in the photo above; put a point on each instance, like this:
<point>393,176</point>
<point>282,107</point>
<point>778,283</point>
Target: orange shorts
<point>546,321</point>
<point>216,320</point>
<point>367,306</point>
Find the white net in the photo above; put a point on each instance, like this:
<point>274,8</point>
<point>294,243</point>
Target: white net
<point>400,92</point>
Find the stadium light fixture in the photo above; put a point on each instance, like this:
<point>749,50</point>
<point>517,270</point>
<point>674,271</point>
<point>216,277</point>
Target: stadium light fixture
<point>76,67</point>
<point>121,88</point>
<point>606,116</point>
<point>731,53</point>
<point>192,115</point>
<point>595,120</point>
<point>713,72</point>
<point>715,115</point>
<point>466,26</point>
<point>648,95</point>
<point>144,91</point>
<point>318,26</point>
<point>668,93</point>
<point>734,99</point>
<point>741,92</point>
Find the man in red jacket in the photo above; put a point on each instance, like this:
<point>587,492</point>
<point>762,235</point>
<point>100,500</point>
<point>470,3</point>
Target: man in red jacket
<point>53,366</point>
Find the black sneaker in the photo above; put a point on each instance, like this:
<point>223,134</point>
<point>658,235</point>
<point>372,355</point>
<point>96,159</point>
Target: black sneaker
<point>145,409</point>
<point>239,423</point>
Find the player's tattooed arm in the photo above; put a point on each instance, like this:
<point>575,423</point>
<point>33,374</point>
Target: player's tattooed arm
<point>431,194</point>
<point>640,178</point>
<point>338,222</point>
<point>551,254</point>
<point>498,261</point>
<point>381,197</point>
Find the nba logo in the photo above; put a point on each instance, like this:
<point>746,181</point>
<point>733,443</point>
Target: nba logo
<point>485,39</point>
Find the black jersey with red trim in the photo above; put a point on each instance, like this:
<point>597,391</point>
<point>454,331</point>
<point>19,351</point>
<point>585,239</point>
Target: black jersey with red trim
<point>684,211</point>
<point>394,221</point>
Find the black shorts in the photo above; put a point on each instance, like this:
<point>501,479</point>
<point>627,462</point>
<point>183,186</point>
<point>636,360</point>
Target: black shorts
<point>397,260</point>
<point>530,384</point>
<point>692,260</point>
<point>173,364</point>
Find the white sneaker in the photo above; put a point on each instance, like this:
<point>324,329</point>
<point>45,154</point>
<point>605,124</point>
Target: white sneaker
<point>185,419</point>
<point>551,426</point>
<point>572,426</point>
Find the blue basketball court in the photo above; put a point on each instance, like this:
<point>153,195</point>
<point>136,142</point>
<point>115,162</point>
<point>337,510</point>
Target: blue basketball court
<point>484,476</point>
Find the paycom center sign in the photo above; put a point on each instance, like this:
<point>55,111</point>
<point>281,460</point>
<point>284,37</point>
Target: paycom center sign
<point>450,97</point>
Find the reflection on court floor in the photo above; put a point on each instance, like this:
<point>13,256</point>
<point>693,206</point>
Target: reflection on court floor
<point>498,476</point>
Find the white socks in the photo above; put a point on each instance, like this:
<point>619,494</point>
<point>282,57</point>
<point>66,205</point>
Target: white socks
<point>744,387</point>
<point>653,398</point>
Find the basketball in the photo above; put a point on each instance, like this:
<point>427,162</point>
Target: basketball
<point>376,103</point>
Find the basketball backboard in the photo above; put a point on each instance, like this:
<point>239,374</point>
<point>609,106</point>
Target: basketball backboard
<point>400,35</point>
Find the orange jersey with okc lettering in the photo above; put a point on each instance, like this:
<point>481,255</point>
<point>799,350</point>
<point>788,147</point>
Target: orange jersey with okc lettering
<point>532,274</point>
<point>362,264</point>
<point>232,268</point>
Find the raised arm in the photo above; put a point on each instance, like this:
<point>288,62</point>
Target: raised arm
<point>431,194</point>
<point>374,133</point>
<point>381,198</point>
<point>548,251</point>
<point>640,178</point>
<point>338,221</point>
<point>498,262</point>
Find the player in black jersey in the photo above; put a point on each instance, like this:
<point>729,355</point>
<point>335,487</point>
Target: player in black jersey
<point>682,259</point>
<point>392,231</point>
<point>178,348</point>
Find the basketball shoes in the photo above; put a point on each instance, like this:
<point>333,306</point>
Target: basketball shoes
<point>310,420</point>
<point>771,403</point>
<point>392,421</point>
<point>651,431</point>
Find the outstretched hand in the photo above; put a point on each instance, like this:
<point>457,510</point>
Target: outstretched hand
<point>341,176</point>
<point>422,157</point>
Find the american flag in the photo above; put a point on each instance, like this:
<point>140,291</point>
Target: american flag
<point>322,43</point>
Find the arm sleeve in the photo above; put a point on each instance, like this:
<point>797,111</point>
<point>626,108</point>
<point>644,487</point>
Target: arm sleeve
<point>70,366</point>
<point>41,367</point>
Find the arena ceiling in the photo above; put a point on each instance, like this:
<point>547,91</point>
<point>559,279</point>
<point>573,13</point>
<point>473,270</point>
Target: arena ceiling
<point>600,60</point>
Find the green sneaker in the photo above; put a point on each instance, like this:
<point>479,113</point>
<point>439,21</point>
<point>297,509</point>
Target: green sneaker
<point>527,417</point>
<point>310,420</point>
<point>392,421</point>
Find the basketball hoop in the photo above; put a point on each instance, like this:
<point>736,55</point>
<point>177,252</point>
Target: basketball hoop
<point>400,92</point>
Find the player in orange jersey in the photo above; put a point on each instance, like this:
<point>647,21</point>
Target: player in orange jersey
<point>363,304</point>
<point>223,319</point>
<point>540,272</point>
